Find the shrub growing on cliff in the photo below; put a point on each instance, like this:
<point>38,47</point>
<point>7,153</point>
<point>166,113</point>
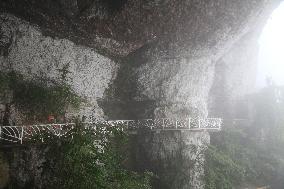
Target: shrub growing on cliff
<point>39,98</point>
<point>228,160</point>
<point>93,159</point>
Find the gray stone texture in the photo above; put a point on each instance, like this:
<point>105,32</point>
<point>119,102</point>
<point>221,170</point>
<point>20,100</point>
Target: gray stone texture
<point>28,52</point>
<point>178,59</point>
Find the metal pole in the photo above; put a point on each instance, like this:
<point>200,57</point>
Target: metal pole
<point>60,131</point>
<point>127,125</point>
<point>176,123</point>
<point>199,123</point>
<point>22,135</point>
<point>189,122</point>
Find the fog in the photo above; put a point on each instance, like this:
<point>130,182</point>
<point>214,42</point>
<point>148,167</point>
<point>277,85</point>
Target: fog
<point>271,54</point>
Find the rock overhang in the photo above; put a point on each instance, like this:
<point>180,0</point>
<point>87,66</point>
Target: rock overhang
<point>118,27</point>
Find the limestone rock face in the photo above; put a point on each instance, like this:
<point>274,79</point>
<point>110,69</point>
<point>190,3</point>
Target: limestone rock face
<point>178,75</point>
<point>182,86</point>
<point>26,51</point>
<point>176,157</point>
<point>119,27</point>
<point>176,56</point>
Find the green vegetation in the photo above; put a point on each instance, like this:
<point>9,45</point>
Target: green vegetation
<point>39,98</point>
<point>92,159</point>
<point>85,159</point>
<point>250,155</point>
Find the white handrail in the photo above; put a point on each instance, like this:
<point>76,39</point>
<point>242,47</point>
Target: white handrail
<point>24,132</point>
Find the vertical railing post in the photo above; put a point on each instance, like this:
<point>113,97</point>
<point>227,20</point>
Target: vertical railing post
<point>150,122</point>
<point>189,122</point>
<point>60,130</point>
<point>41,132</point>
<point>220,123</point>
<point>176,123</point>
<point>72,129</point>
<point>163,123</point>
<point>0,132</point>
<point>156,123</point>
<point>199,123</point>
<point>22,135</point>
<point>127,125</point>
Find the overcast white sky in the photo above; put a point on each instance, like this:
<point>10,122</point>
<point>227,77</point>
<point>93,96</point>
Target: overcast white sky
<point>271,56</point>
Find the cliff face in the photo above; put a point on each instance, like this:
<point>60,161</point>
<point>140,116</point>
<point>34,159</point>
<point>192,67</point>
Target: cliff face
<point>25,50</point>
<point>175,157</point>
<point>119,27</point>
<point>171,75</point>
<point>174,75</point>
<point>142,59</point>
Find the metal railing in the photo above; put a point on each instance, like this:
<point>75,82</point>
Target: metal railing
<point>18,134</point>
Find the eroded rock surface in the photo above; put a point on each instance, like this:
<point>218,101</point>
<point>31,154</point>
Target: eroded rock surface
<point>175,157</point>
<point>173,53</point>
<point>26,51</point>
<point>119,27</point>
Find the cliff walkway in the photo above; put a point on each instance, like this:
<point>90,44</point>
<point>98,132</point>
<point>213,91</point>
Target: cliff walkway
<point>20,134</point>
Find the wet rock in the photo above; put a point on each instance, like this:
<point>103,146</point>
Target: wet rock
<point>188,24</point>
<point>36,56</point>
<point>175,157</point>
<point>172,54</point>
